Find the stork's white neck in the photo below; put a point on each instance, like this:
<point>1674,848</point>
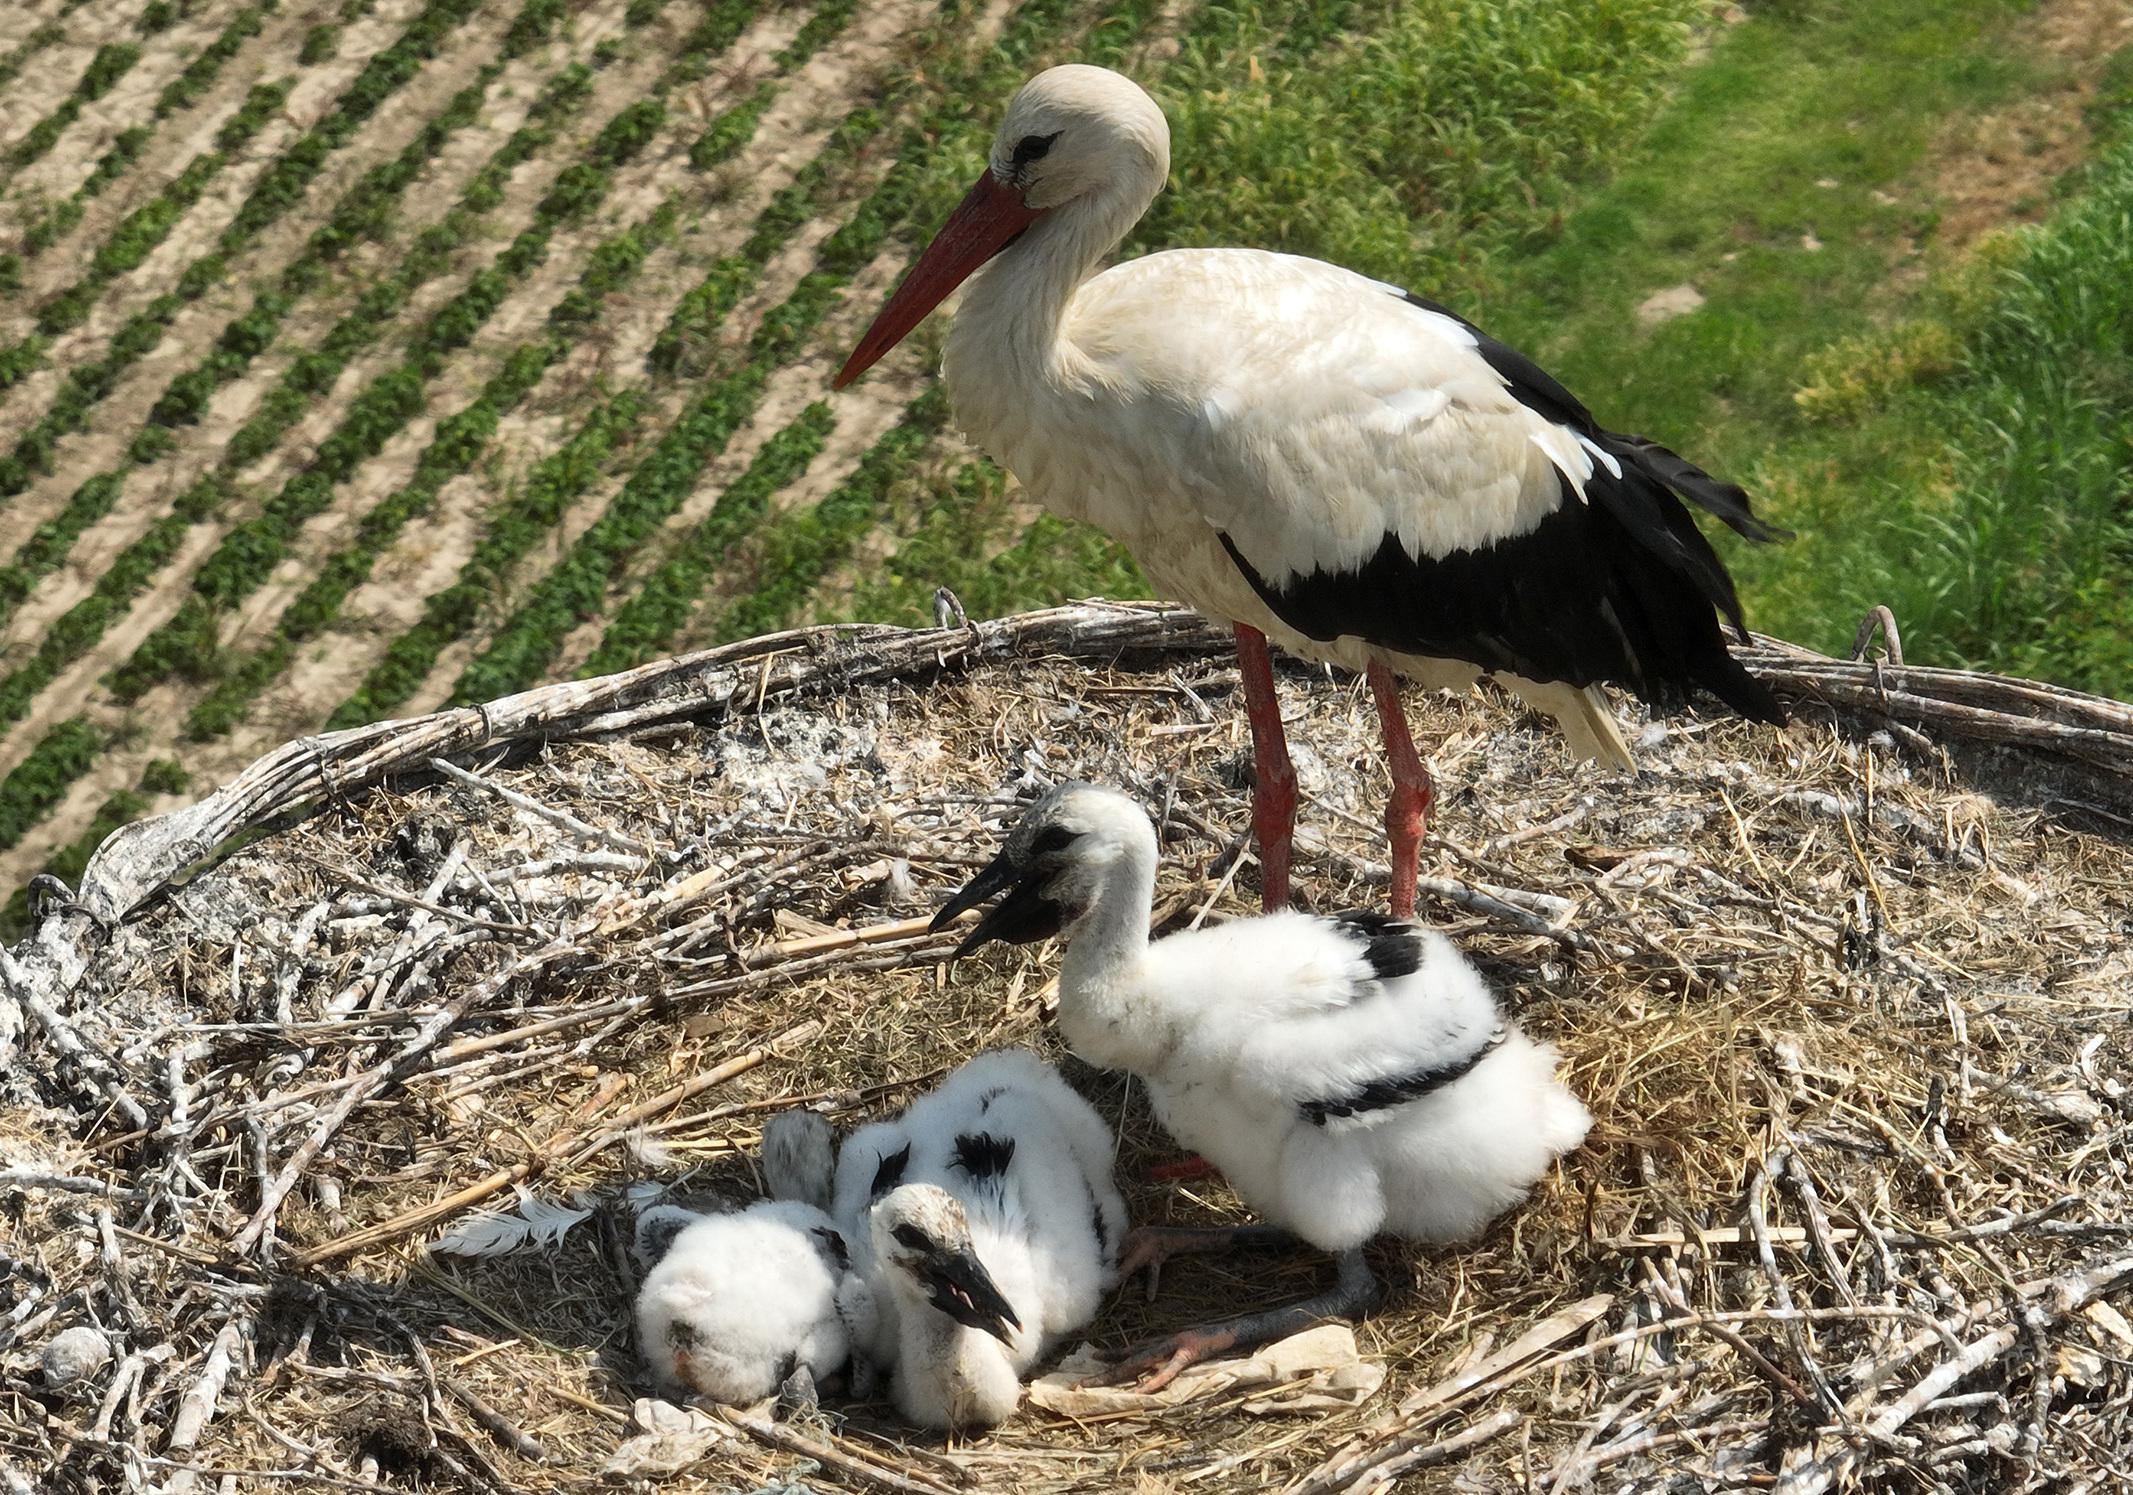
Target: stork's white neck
<point>1011,328</point>
<point>1102,1005</point>
<point>951,1376</point>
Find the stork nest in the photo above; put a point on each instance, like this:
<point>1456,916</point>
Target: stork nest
<point>1847,1001</point>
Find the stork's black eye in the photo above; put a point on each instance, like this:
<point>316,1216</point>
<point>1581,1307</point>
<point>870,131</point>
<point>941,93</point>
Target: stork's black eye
<point>1032,148</point>
<point>910,1235</point>
<point>1053,838</point>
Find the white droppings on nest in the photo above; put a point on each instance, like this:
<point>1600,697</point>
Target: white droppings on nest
<point>74,1355</point>
<point>780,757</point>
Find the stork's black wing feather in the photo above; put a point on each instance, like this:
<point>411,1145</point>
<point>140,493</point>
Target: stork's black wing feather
<point>1621,587</point>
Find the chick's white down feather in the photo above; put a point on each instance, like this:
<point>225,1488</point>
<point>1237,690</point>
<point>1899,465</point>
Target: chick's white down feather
<point>1027,1163</point>
<point>736,1302</point>
<point>741,1300</point>
<point>1277,1049</point>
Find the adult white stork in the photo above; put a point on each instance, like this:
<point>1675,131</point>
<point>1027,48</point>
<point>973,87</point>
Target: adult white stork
<point>1314,457</point>
<point>1351,1076</point>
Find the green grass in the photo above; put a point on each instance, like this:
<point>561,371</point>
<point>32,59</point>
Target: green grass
<point>1960,450</point>
<point>1981,478</point>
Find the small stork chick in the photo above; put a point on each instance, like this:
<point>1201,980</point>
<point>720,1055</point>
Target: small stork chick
<point>1352,1076</point>
<point>959,1338</point>
<point>744,1305</point>
<point>736,1307</point>
<point>987,1225</point>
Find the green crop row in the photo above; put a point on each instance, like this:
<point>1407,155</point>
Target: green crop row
<point>729,134</point>
<point>142,332</point>
<point>285,182</point>
<point>200,74</point>
<point>49,544</point>
<point>126,147</point>
<point>314,372</point>
<point>129,574</point>
<point>796,552</point>
<point>321,42</point>
<point>57,220</point>
<point>365,211</point>
<point>554,484</point>
<point>112,62</point>
<point>47,35</point>
<point>574,590</point>
<point>550,488</point>
<point>686,345</point>
<point>366,205</point>
<point>88,383</point>
<point>40,781</point>
<point>459,442</point>
<point>645,626</point>
<point>190,646</point>
<point>140,231</point>
<point>248,554</point>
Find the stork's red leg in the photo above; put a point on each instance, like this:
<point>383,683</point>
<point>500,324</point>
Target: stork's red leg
<point>1412,790</point>
<point>1273,776</point>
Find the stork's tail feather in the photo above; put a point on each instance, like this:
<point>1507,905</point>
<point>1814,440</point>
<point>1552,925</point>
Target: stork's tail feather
<point>1587,721</point>
<point>1728,679</point>
<point>1728,501</point>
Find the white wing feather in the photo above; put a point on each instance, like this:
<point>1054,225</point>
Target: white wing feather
<point>536,1222</point>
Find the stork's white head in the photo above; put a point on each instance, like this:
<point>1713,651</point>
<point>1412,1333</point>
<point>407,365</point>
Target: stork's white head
<point>923,1236</point>
<point>1055,864</point>
<point>1075,130</point>
<point>1082,143</point>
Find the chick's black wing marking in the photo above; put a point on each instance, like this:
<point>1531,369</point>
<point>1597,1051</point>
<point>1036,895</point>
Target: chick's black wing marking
<point>1399,1090</point>
<point>982,1155</point>
<point>1391,947</point>
<point>889,1172</point>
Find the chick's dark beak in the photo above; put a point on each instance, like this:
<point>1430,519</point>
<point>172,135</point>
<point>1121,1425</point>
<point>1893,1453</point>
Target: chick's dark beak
<point>960,1287</point>
<point>1024,916</point>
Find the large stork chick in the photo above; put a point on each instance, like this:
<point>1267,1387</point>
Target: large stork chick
<point>741,1306</point>
<point>1316,458</point>
<point>988,1227</point>
<point>1351,1075</point>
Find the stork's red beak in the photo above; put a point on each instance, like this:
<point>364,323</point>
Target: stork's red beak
<point>985,222</point>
